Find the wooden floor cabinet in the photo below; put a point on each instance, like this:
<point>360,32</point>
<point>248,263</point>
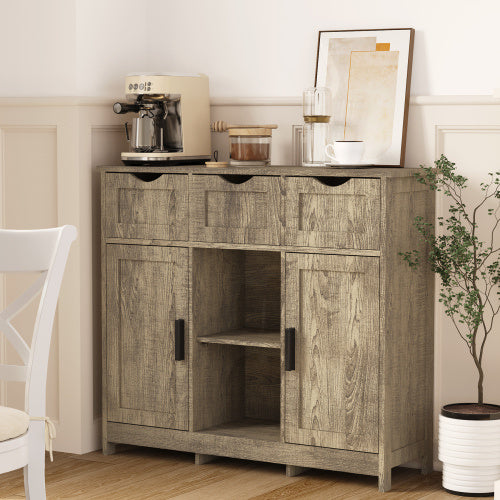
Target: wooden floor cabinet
<point>265,314</point>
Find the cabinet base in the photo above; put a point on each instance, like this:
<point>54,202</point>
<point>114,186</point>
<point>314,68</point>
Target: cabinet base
<point>208,445</point>
<point>245,448</point>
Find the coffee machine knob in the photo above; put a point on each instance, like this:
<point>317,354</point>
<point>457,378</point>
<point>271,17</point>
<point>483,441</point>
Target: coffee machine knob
<point>121,108</point>
<point>118,108</point>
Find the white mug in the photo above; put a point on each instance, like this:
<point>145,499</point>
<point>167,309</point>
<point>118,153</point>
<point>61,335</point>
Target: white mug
<point>346,152</point>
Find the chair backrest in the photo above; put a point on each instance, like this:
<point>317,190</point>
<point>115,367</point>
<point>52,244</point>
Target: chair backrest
<point>45,251</point>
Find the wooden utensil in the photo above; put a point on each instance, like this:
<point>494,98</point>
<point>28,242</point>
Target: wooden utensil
<point>222,126</point>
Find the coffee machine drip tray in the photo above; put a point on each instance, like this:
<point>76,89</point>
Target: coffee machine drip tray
<point>163,160</point>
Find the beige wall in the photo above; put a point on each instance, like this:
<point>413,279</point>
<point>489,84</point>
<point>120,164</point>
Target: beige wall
<point>86,47</point>
<point>50,148</point>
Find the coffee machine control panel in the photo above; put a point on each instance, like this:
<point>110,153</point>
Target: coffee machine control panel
<point>164,83</point>
<point>144,86</point>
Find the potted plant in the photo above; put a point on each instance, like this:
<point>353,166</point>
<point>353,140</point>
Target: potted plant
<point>469,270</point>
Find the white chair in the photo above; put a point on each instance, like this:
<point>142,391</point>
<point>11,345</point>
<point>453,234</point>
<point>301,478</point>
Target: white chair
<point>22,434</point>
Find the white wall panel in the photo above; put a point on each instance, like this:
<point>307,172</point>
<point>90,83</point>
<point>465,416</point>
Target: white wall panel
<point>476,149</point>
<point>107,144</point>
<point>101,139</point>
<point>89,134</point>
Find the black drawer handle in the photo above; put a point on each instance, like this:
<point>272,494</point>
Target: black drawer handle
<point>235,178</point>
<point>147,176</point>
<point>332,181</point>
<point>179,339</point>
<point>289,349</point>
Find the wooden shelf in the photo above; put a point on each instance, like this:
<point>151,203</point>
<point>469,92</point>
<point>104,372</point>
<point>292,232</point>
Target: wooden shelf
<point>265,430</point>
<point>245,337</point>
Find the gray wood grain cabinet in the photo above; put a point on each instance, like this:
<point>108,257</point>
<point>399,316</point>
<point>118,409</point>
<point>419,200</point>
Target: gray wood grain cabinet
<point>332,392</point>
<point>265,314</point>
<point>147,294</point>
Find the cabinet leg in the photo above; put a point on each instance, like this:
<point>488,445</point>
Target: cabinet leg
<point>384,480</point>
<point>294,470</point>
<point>428,459</point>
<point>112,448</point>
<point>109,448</point>
<point>200,459</point>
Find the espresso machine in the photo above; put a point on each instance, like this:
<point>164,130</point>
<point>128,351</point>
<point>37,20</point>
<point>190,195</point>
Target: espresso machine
<point>172,126</point>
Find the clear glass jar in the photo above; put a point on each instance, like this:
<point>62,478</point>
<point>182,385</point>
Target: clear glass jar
<point>314,141</point>
<point>250,150</point>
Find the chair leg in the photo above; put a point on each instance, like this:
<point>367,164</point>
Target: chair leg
<point>34,478</point>
<point>34,472</point>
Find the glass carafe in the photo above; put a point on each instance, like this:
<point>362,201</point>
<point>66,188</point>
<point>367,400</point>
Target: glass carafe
<point>317,104</point>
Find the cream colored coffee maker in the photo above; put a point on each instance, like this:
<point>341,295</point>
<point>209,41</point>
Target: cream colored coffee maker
<point>173,122</point>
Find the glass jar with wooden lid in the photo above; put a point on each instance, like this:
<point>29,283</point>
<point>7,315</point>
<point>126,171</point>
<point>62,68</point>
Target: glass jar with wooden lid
<point>250,145</point>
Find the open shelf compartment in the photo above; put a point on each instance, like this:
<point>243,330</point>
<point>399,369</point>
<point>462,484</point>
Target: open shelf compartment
<point>266,430</point>
<point>245,337</point>
<point>236,342</point>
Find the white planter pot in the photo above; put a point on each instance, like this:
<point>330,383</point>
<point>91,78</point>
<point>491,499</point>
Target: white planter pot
<point>470,451</point>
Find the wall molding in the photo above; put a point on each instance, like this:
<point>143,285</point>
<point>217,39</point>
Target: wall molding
<point>433,100</point>
<point>442,130</point>
<point>256,101</point>
<point>437,100</point>
<point>454,100</point>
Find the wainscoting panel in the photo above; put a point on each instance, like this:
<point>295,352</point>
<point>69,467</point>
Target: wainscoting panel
<point>476,149</point>
<point>468,134</point>
<point>107,144</point>
<point>68,137</point>
<point>29,197</point>
<point>46,180</point>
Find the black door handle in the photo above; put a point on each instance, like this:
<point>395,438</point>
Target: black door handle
<point>289,349</point>
<point>179,339</point>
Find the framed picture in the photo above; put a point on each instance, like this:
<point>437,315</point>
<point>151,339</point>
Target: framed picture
<point>369,73</point>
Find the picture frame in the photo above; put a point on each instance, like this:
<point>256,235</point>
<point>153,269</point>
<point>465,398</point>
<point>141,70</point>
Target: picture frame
<point>369,73</point>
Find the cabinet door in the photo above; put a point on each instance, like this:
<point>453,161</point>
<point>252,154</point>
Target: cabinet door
<point>146,292</point>
<point>331,397</point>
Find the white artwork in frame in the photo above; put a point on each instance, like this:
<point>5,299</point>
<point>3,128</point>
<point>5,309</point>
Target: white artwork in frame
<point>368,72</point>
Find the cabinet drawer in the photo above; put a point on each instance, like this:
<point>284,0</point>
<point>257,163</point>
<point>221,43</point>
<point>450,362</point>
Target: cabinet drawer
<point>149,207</point>
<point>335,212</point>
<point>235,209</point>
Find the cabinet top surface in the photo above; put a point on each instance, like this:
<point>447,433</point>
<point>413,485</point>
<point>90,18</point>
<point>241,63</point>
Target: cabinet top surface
<point>277,170</point>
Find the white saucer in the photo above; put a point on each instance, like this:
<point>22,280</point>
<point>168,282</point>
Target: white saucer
<point>362,163</point>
